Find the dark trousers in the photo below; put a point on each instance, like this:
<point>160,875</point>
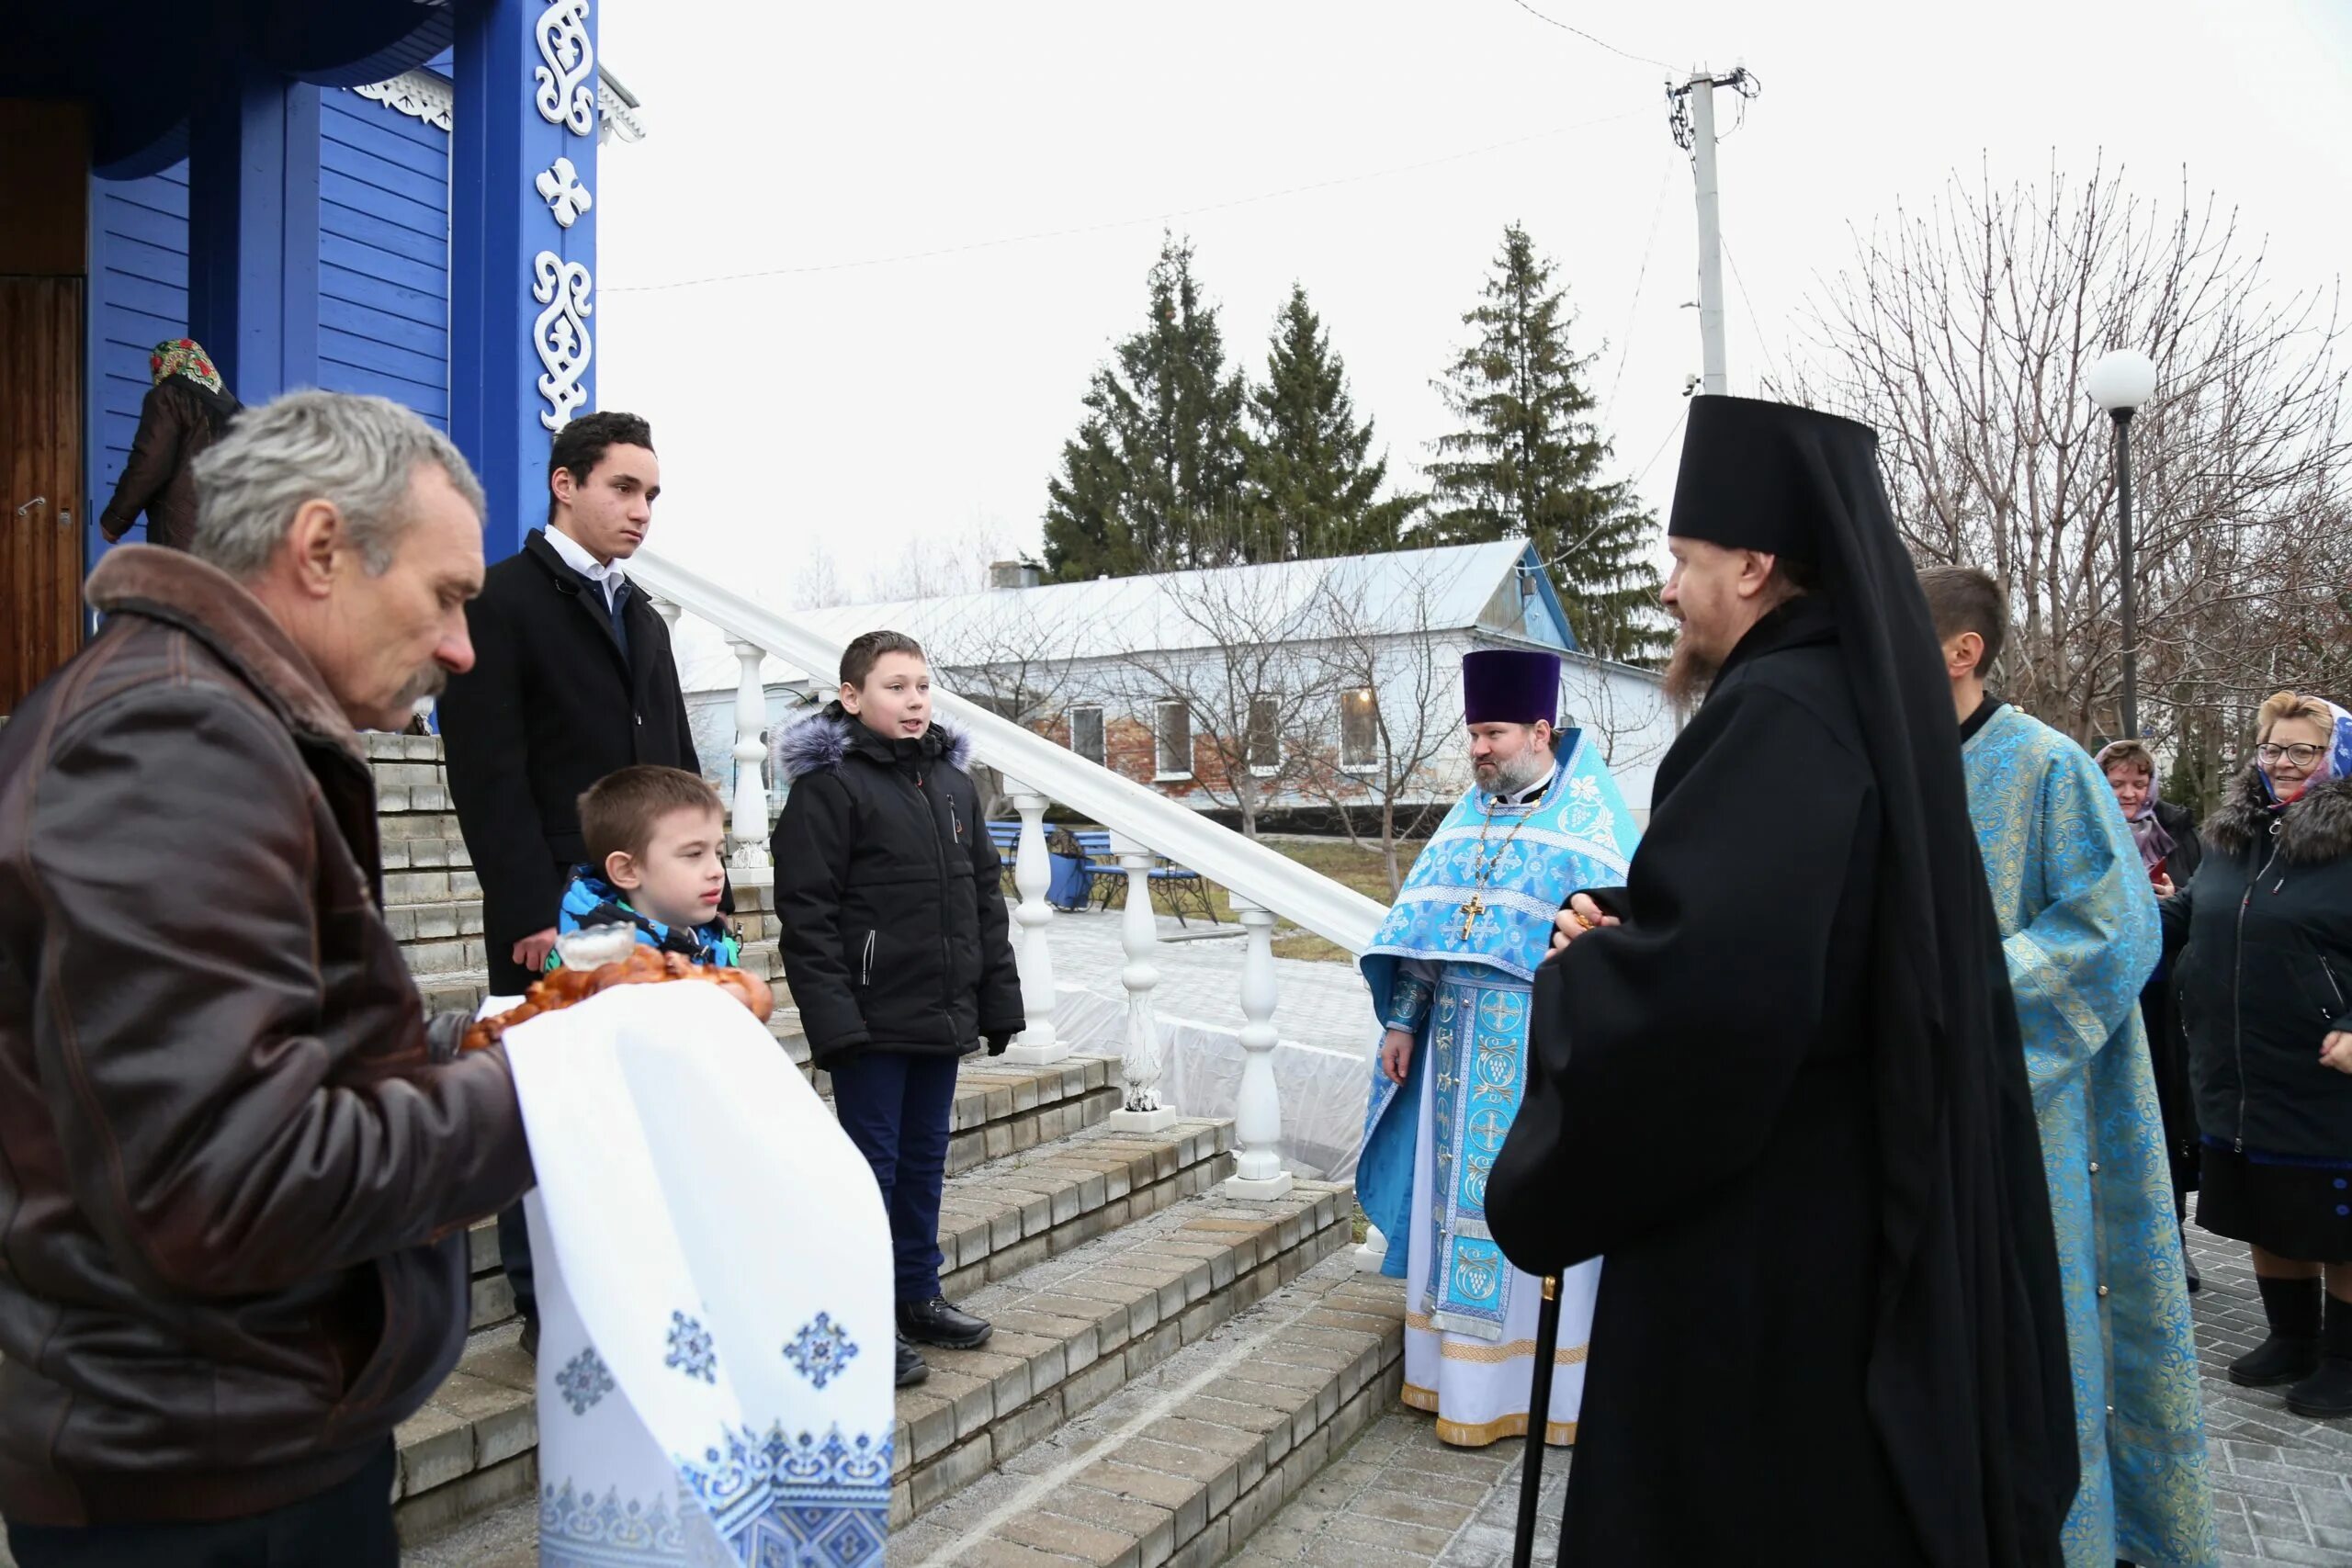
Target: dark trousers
<point>514,1257</point>
<point>896,1109</point>
<point>347,1526</point>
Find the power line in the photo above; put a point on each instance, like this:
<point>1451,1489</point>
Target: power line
<point>1662,441</point>
<point>1604,43</point>
<point>1753,320</point>
<point>1120,223</point>
<point>1625,345</point>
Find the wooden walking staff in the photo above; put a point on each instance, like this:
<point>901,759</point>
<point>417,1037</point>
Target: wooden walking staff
<point>1539,1421</point>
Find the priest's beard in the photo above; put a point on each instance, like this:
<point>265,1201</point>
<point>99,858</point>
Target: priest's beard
<point>1529,768</point>
<point>1691,671</point>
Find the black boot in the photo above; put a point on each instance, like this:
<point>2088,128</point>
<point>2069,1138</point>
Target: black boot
<point>912,1368</point>
<point>2326,1394</point>
<point>2292,1352</point>
<point>935,1323</point>
<point>2189,1264</point>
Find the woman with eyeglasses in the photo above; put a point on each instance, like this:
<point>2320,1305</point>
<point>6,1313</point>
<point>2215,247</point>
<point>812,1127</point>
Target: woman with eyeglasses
<point>2265,970</point>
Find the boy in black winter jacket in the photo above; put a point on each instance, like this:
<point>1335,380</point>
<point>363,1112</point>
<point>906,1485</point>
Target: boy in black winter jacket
<point>895,944</point>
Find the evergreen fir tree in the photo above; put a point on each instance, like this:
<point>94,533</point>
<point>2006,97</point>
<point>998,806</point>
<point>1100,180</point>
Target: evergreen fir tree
<point>1311,475</point>
<point>1529,458</point>
<point>1153,479</point>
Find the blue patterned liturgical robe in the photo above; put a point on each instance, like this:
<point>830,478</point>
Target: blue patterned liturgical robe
<point>2078,924</point>
<point>1454,963</point>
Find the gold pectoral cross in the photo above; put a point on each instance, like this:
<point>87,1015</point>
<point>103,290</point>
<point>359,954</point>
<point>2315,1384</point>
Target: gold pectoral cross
<point>1470,913</point>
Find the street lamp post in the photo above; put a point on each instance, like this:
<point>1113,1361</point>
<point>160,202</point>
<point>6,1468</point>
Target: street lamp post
<point>2122,380</point>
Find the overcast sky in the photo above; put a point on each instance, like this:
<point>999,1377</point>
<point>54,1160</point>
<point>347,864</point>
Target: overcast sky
<point>1026,157</point>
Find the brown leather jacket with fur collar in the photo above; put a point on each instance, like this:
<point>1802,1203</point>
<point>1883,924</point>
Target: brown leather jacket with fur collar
<point>235,1163</point>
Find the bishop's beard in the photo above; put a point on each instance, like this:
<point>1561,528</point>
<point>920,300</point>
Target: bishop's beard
<point>1689,671</point>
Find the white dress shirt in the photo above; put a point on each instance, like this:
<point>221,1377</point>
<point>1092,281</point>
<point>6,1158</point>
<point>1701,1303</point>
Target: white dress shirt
<point>575,555</point>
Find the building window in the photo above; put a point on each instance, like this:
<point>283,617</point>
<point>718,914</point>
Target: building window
<point>1265,737</point>
<point>1086,734</point>
<point>1171,729</point>
<point>1360,728</point>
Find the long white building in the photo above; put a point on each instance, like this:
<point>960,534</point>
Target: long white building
<point>1288,688</point>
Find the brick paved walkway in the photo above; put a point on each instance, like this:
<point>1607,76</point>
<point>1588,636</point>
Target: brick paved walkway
<point>1400,1499</point>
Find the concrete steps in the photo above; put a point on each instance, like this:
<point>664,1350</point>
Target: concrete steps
<point>1186,1461</point>
<point>1076,1329</point>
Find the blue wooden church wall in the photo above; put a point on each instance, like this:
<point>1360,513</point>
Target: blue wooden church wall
<point>383,277</point>
<point>384,255</point>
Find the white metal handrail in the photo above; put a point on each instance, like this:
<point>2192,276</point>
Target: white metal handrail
<point>1307,899</point>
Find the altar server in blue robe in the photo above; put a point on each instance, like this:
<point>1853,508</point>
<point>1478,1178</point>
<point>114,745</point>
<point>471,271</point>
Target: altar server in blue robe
<point>1450,972</point>
<point>2080,933</point>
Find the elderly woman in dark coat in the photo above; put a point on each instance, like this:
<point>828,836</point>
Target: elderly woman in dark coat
<point>186,410</point>
<point>2169,848</point>
<point>2264,975</point>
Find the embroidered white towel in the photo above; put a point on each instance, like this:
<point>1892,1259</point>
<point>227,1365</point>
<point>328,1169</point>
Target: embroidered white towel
<point>713,1268</point>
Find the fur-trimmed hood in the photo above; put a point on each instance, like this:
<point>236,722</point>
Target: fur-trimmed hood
<point>819,744</point>
<point>2312,831</point>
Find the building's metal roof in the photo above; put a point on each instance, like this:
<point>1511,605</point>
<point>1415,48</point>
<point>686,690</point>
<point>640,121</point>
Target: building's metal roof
<point>1450,588</point>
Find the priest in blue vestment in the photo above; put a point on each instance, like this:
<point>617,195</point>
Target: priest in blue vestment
<point>1450,973</point>
<point>2079,929</point>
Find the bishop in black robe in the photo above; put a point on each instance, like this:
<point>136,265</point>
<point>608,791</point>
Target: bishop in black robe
<point>1783,1093</point>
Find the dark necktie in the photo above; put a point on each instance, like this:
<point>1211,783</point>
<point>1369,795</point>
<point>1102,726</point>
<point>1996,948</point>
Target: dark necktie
<point>613,608</point>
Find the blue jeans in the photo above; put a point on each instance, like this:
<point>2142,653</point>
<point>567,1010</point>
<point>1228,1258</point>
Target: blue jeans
<point>896,1109</point>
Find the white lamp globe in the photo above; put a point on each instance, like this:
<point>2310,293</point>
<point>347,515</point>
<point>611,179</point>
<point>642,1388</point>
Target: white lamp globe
<point>2124,378</point>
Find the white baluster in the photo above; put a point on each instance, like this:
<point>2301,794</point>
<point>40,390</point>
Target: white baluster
<point>750,832</point>
<point>1139,932</point>
<point>669,610</point>
<point>1033,874</point>
<point>1374,1252</point>
<point>1257,1117</point>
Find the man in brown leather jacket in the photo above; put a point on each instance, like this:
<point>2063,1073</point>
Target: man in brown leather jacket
<point>236,1159</point>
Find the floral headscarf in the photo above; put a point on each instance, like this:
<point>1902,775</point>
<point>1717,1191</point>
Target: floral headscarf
<point>2146,831</point>
<point>183,356</point>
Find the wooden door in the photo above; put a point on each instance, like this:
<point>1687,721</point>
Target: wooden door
<point>41,510</point>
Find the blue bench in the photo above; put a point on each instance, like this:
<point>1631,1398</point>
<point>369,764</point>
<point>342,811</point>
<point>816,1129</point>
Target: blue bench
<point>1179,886</point>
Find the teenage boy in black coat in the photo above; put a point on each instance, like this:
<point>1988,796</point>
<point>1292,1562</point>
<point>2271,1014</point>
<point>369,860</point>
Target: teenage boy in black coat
<point>572,680</point>
<point>894,943</point>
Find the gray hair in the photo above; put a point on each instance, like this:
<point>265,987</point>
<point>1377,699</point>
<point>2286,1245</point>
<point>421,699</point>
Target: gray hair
<point>360,453</point>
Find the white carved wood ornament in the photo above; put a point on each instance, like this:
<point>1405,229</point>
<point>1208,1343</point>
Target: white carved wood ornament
<point>561,335</point>
<point>567,96</point>
<point>566,197</point>
<point>417,94</point>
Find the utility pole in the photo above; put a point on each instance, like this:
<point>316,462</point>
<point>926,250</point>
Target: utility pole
<point>1690,113</point>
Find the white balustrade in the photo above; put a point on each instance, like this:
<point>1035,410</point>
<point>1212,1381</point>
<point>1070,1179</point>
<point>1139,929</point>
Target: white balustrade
<point>1133,811</point>
<point>1374,1252</point>
<point>1258,1116</point>
<point>1032,874</point>
<point>669,610</point>
<point>1139,932</point>
<point>750,830</point>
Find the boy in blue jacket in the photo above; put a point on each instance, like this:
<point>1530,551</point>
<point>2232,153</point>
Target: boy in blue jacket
<point>655,839</point>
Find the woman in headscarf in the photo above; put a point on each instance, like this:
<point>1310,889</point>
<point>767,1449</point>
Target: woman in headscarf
<point>186,410</point>
<point>2166,837</point>
<point>2266,990</point>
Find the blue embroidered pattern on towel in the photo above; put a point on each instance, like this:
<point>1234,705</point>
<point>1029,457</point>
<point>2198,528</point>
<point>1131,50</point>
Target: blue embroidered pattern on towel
<point>580,1529</point>
<point>800,1499</point>
<point>690,1349</point>
<point>821,1349</point>
<point>584,1380</point>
